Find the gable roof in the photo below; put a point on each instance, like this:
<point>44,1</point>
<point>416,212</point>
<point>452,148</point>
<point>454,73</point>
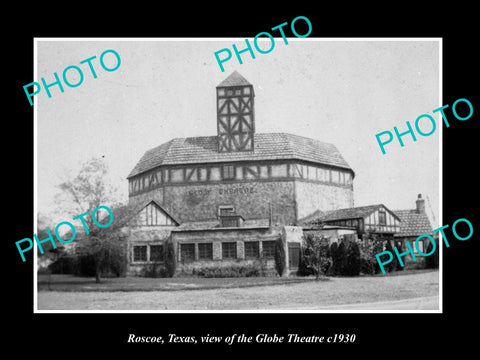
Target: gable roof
<point>159,207</point>
<point>234,79</point>
<point>413,223</point>
<point>346,213</point>
<point>268,146</point>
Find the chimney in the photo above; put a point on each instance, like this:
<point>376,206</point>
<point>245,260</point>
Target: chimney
<point>420,204</point>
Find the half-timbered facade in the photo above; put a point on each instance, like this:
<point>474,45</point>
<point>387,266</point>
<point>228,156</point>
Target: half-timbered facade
<point>235,114</point>
<point>249,176</point>
<point>376,219</point>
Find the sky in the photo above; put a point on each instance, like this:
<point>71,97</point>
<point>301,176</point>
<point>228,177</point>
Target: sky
<point>340,91</point>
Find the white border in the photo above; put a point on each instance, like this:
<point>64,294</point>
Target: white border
<point>35,187</point>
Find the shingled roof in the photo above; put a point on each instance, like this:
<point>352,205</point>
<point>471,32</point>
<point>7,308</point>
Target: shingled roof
<point>342,214</point>
<point>234,79</point>
<point>268,146</point>
<point>413,223</point>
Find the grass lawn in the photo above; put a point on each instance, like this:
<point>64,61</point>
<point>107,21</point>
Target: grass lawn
<point>234,293</point>
<point>75,283</point>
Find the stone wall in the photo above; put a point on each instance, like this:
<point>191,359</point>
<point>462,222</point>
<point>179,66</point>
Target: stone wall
<point>199,202</point>
<point>312,196</point>
<point>216,237</point>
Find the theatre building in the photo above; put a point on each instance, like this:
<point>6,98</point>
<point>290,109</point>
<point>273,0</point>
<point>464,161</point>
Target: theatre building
<point>227,197</point>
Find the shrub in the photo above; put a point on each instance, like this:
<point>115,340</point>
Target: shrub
<point>368,261</point>
<point>63,265</point>
<point>170,260</point>
<point>340,259</point>
<point>371,245</point>
<point>315,258</point>
<point>229,271</point>
<point>392,265</point>
<point>352,265</point>
<point>85,266</point>
<point>280,256</point>
<point>114,262</point>
<point>432,261</point>
<point>333,254</point>
<point>154,270</point>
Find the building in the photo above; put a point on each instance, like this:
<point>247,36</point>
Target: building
<point>362,220</point>
<point>414,222</point>
<point>228,197</point>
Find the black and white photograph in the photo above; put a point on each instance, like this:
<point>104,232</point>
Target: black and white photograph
<point>258,188</point>
<point>226,181</point>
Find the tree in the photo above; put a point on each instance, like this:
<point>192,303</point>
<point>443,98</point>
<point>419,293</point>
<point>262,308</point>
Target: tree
<point>353,259</point>
<point>82,194</point>
<point>315,257</point>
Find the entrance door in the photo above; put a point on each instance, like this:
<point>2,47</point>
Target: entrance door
<point>293,255</point>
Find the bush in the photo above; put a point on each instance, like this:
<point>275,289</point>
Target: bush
<point>63,265</point>
<point>368,261</point>
<point>154,270</point>
<point>170,260</point>
<point>334,256</point>
<point>352,264</point>
<point>114,262</point>
<point>229,271</point>
<point>339,258</point>
<point>280,256</point>
<point>392,265</point>
<point>85,266</point>
<point>315,258</point>
<point>432,261</point>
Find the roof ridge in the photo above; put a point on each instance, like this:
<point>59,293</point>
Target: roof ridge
<point>268,146</point>
<point>234,79</point>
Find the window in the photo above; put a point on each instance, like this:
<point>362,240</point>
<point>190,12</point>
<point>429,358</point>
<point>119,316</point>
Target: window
<point>268,249</point>
<point>225,210</point>
<point>187,252</point>
<point>156,253</point>
<point>230,221</point>
<point>140,253</point>
<point>229,250</point>
<point>420,246</point>
<point>251,250</point>
<point>205,251</point>
<point>382,217</point>
<point>228,172</point>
